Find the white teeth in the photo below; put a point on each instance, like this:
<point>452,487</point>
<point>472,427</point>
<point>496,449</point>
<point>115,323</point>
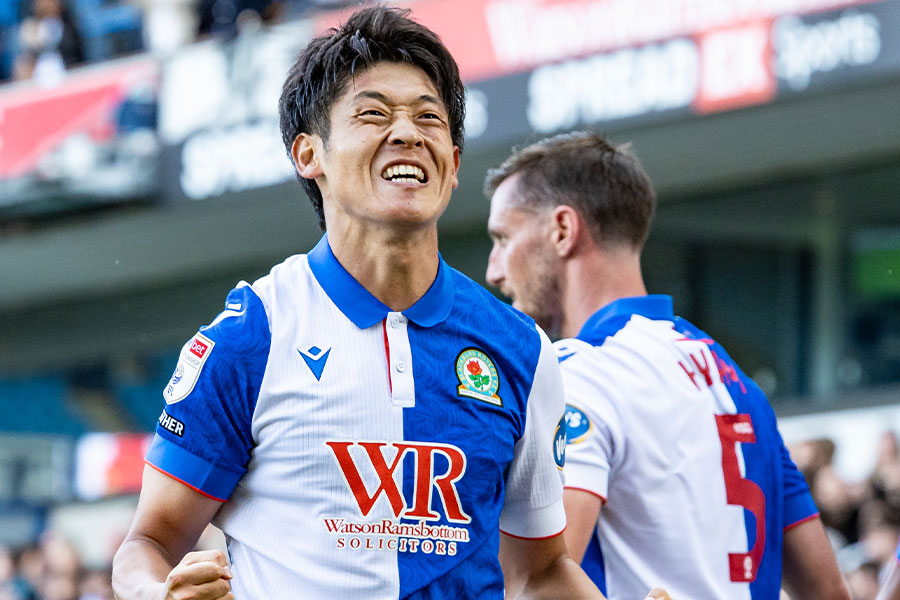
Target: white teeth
<point>406,172</point>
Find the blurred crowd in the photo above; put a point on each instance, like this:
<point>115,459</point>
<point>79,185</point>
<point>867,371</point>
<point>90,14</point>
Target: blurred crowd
<point>50,570</point>
<point>41,39</point>
<point>862,519</point>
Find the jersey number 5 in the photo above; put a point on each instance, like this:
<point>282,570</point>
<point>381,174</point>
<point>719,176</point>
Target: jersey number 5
<point>742,492</point>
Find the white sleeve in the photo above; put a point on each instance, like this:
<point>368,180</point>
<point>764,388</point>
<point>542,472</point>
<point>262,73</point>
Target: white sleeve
<point>594,427</point>
<point>533,507</point>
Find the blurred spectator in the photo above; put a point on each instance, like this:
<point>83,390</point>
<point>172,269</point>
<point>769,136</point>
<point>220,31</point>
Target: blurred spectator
<point>95,585</point>
<point>168,24</point>
<point>32,570</point>
<point>109,28</point>
<point>863,581</point>
<point>878,531</point>
<point>837,500</point>
<point>227,18</point>
<point>9,19</point>
<point>59,586</point>
<point>865,515</point>
<point>49,42</point>
<point>884,483</point>
<point>51,570</point>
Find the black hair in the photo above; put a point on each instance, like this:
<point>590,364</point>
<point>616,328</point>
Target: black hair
<point>323,69</point>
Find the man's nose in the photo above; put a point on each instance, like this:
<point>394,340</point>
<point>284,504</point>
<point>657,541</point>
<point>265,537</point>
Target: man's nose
<point>405,132</point>
<point>494,273</point>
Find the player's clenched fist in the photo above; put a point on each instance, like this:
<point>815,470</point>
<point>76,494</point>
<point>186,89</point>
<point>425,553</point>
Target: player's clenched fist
<point>658,594</point>
<point>200,576</point>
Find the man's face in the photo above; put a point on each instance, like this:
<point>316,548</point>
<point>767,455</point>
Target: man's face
<point>523,263</point>
<point>389,159</point>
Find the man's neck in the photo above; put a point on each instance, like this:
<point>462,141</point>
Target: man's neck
<point>396,268</point>
<point>593,280</point>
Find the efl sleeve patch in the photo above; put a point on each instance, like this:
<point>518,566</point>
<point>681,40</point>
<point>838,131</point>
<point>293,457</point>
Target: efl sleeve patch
<point>212,395</point>
<point>190,362</point>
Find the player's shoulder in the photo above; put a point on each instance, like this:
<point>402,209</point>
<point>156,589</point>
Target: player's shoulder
<point>572,348</point>
<point>282,277</point>
<point>242,323</point>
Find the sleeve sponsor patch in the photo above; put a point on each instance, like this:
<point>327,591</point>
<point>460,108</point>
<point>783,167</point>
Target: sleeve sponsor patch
<point>171,424</point>
<point>559,443</point>
<point>190,362</point>
<point>577,424</point>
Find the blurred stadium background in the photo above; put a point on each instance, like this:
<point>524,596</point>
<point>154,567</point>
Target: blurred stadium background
<point>142,175</point>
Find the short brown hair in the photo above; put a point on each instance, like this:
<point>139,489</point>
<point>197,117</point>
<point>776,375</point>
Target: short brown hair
<point>603,182</point>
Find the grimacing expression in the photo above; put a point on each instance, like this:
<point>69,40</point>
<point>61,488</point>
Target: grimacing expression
<point>389,158</point>
<point>522,261</point>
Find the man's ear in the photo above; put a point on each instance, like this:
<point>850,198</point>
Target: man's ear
<point>566,230</point>
<point>305,151</point>
<point>454,182</point>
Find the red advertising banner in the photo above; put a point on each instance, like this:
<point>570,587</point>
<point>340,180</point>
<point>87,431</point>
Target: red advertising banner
<point>491,38</point>
<point>35,120</point>
<point>109,464</point>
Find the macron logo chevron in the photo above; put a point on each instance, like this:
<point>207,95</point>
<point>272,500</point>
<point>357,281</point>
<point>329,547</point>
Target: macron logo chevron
<point>315,359</point>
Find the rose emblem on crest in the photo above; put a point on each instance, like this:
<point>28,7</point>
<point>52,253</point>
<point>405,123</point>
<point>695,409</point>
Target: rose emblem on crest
<point>478,376</point>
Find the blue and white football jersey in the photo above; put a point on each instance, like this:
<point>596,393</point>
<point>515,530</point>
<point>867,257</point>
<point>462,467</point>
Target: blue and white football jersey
<point>683,449</point>
<point>362,452</point>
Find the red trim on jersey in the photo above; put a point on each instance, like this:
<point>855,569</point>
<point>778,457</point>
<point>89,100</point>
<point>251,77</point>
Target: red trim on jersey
<point>183,482</point>
<point>591,492</point>
<point>801,522</point>
<point>546,537</point>
<point>707,341</point>
<point>387,351</point>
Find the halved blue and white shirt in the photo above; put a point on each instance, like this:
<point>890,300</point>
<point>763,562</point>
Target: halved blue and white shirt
<point>684,450</point>
<point>362,452</point>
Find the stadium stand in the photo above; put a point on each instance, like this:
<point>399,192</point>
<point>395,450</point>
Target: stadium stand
<point>38,405</point>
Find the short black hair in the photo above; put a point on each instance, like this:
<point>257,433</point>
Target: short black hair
<point>323,68</point>
<point>603,182</point>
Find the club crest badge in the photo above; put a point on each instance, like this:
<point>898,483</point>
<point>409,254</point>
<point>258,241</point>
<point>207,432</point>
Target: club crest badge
<point>477,376</point>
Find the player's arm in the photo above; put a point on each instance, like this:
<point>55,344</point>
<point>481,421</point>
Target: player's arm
<point>542,568</point>
<point>810,569</point>
<point>155,561</point>
<point>582,513</point>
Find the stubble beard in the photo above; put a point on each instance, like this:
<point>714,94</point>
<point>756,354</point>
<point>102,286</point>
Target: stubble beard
<point>544,304</point>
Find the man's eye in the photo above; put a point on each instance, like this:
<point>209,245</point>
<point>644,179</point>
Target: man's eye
<point>372,112</point>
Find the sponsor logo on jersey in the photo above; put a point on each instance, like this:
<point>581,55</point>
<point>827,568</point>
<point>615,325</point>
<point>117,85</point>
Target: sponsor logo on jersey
<point>315,359</point>
<point>578,426</point>
<point>477,376</point>
<point>190,362</point>
<point>371,471</point>
<point>559,443</point>
<point>198,347</point>
<point>171,424</point>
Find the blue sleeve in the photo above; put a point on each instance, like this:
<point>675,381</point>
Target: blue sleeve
<point>203,437</point>
<point>798,502</point>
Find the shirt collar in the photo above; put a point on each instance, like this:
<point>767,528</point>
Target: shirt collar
<point>364,309</point>
<point>612,317</point>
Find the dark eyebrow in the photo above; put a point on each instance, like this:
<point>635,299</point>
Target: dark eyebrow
<point>384,99</point>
